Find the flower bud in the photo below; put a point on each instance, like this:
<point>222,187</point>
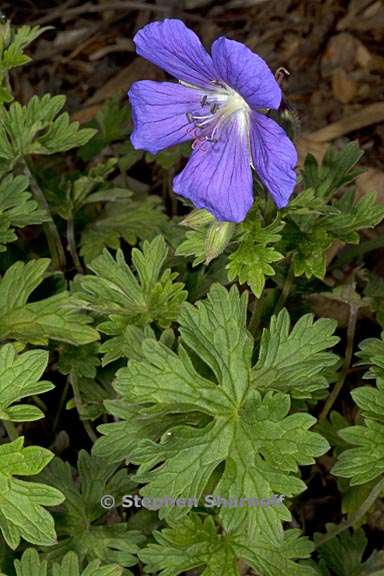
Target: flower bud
<point>197,219</point>
<point>218,236</point>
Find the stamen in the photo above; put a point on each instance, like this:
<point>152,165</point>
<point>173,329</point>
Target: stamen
<point>222,104</point>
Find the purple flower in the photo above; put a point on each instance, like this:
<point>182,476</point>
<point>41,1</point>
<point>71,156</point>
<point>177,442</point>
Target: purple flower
<point>220,104</point>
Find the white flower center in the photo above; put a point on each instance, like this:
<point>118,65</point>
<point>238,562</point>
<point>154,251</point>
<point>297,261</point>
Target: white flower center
<point>217,107</point>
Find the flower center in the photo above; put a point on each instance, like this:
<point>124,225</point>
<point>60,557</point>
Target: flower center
<point>217,107</point>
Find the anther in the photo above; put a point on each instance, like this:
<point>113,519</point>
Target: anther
<point>204,100</point>
<point>189,116</point>
<point>214,108</point>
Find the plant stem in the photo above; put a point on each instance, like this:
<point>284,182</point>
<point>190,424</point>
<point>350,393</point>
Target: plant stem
<point>10,428</point>
<point>357,516</point>
<point>353,313</point>
<point>61,404</point>
<point>50,230</point>
<point>259,307</point>
<point>285,289</point>
<point>79,404</point>
<point>71,245</point>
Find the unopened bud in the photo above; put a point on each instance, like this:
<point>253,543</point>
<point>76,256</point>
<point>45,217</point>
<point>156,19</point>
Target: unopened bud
<point>197,219</point>
<point>218,236</point>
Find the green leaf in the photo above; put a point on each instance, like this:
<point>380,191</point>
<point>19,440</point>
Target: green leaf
<point>114,120</point>
<point>17,208</point>
<point>365,461</point>
<point>78,522</point>
<point>37,129</point>
<point>315,218</point>
<point>353,216</point>
<point>83,361</point>
<point>30,564</point>
<point>21,503</point>
<point>152,295</point>
<point>196,543</point>
<point>129,220</point>
<point>13,55</point>
<point>343,554</point>
<point>58,317</point>
<point>296,361</point>
<point>251,261</point>
<point>19,378</point>
<point>249,441</point>
<point>337,169</point>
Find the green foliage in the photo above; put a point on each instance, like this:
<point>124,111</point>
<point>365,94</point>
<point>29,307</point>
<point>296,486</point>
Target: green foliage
<point>112,123</point>
<point>30,564</point>
<point>365,461</point>
<point>252,259</point>
<point>316,218</point>
<point>337,169</point>
<point>12,45</point>
<point>78,521</point>
<point>130,221</point>
<point>21,503</point>
<point>20,377</point>
<point>195,543</point>
<point>312,226</point>
<point>343,555</point>
<point>57,317</point>
<point>152,295</point>
<point>17,208</point>
<point>246,431</point>
<point>296,361</point>
<point>37,129</point>
<point>86,189</point>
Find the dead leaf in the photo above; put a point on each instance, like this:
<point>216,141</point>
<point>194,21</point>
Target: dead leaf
<point>86,114</point>
<point>372,180</point>
<point>343,86</point>
<point>372,114</point>
<point>67,38</point>
<point>340,53</point>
